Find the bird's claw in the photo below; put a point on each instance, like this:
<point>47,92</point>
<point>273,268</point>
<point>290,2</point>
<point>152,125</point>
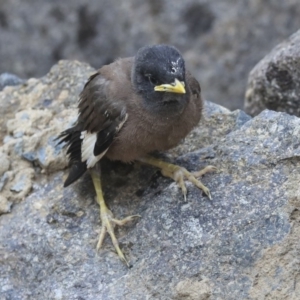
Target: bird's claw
<point>179,174</point>
<point>108,224</point>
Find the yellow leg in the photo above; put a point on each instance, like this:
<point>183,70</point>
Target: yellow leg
<point>178,174</point>
<point>108,222</point>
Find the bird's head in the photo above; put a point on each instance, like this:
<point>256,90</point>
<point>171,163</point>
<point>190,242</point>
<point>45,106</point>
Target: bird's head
<point>158,75</point>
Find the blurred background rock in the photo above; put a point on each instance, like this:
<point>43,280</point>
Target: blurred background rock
<point>221,40</point>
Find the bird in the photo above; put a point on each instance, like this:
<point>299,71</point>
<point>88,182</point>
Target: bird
<point>126,111</point>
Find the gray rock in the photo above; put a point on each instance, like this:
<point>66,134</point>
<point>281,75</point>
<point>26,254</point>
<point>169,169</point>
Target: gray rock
<point>241,245</point>
<point>4,163</point>
<point>8,79</point>
<point>5,206</point>
<point>30,156</point>
<point>221,40</point>
<point>274,83</point>
<point>3,181</point>
<point>20,185</point>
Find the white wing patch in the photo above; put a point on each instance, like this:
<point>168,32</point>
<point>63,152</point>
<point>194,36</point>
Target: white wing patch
<point>87,149</point>
<point>88,144</point>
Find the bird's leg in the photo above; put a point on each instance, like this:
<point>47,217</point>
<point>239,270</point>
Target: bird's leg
<point>107,219</point>
<point>179,174</point>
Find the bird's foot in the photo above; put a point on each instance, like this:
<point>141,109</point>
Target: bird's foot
<point>179,174</point>
<point>107,219</point>
<point>108,225</point>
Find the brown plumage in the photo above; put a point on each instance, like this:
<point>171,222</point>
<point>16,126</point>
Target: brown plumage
<point>108,98</point>
<point>129,109</point>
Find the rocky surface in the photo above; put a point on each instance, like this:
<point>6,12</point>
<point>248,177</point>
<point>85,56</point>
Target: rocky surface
<point>241,245</point>
<point>31,115</point>
<point>8,79</point>
<point>221,40</point>
<point>274,83</point>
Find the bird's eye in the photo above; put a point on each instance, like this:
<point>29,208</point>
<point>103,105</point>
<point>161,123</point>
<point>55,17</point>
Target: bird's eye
<point>173,70</point>
<point>152,79</point>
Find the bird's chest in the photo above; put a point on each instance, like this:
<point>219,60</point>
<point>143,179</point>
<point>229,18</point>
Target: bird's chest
<point>140,137</point>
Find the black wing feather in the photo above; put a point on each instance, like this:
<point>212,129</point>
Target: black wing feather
<point>104,138</point>
<point>97,114</point>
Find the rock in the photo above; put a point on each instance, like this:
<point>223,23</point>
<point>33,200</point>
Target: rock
<point>31,117</point>
<point>219,39</point>
<point>3,181</point>
<point>274,83</point>
<point>241,245</point>
<point>22,183</point>
<point>193,290</point>
<point>4,163</point>
<point>8,79</point>
<point>56,92</point>
<point>5,206</point>
<point>28,122</point>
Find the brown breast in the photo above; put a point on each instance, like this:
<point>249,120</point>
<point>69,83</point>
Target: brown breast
<point>144,132</point>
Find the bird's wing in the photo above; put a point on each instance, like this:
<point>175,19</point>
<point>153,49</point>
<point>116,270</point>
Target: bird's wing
<point>100,119</point>
<point>194,84</point>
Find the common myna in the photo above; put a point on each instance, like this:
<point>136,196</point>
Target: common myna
<point>128,109</point>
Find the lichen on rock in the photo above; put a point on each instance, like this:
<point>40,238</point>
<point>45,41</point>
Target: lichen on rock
<point>33,115</point>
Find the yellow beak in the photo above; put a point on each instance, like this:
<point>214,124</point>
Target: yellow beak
<point>175,87</point>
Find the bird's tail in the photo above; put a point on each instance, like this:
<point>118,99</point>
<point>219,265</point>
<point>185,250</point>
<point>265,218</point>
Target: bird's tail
<point>72,141</point>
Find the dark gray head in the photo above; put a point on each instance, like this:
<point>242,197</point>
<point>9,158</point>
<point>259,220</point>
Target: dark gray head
<point>158,75</point>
